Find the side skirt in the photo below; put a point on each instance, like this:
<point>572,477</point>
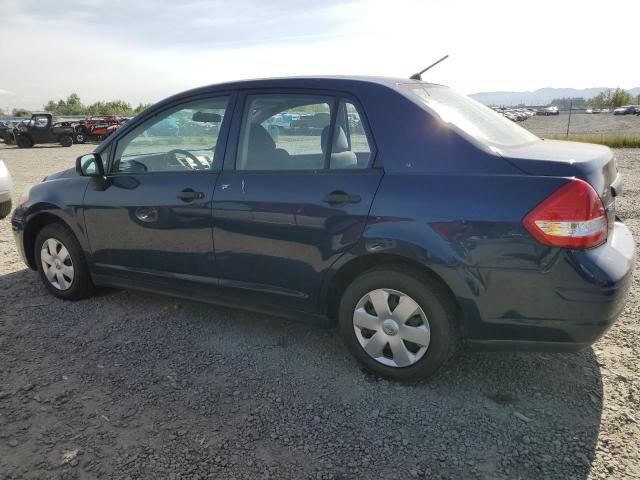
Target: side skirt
<point>222,296</point>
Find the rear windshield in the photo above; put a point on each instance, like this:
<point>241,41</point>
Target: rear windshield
<point>472,117</point>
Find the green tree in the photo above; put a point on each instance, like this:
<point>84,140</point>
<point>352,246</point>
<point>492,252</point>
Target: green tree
<point>143,106</point>
<point>611,99</point>
<point>621,97</point>
<point>74,106</point>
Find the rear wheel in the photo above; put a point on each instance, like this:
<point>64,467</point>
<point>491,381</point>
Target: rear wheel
<point>5,209</point>
<point>66,141</point>
<point>398,322</point>
<point>61,263</point>
<point>24,142</point>
<point>79,138</point>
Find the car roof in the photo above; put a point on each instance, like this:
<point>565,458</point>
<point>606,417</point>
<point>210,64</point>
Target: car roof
<point>329,82</point>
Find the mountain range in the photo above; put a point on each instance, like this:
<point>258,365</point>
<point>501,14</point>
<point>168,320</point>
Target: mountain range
<point>542,96</point>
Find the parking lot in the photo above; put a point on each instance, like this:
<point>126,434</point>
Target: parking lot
<point>132,385</point>
<point>584,124</point>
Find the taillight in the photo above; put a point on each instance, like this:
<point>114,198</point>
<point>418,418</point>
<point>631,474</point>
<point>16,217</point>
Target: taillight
<point>571,217</point>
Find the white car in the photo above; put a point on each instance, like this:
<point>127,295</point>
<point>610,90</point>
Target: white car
<point>5,190</point>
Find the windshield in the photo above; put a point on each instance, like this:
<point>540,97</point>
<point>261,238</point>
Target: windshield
<point>475,119</point>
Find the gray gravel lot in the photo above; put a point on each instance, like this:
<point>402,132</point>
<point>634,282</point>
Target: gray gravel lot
<point>130,385</point>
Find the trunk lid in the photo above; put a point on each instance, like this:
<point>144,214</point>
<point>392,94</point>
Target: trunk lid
<point>594,164</point>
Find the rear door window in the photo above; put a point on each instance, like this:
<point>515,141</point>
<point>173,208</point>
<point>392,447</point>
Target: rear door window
<point>284,132</point>
<point>291,132</point>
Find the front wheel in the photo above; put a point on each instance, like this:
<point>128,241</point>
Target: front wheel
<point>61,263</point>
<point>398,322</point>
<point>24,142</point>
<point>79,138</point>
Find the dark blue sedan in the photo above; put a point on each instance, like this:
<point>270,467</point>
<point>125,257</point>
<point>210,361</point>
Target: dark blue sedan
<point>413,216</point>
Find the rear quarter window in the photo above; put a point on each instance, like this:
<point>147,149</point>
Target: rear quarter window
<point>470,116</point>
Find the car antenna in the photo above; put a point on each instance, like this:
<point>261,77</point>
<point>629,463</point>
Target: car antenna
<point>418,76</point>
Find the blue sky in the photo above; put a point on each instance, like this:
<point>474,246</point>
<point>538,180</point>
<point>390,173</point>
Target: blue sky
<point>145,50</point>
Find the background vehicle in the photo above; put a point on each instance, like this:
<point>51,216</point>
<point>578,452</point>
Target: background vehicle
<point>438,221</point>
<point>5,191</point>
<point>6,132</point>
<point>515,114</point>
<point>625,110</point>
<point>552,110</point>
<point>97,128</point>
<point>168,127</point>
<point>41,129</point>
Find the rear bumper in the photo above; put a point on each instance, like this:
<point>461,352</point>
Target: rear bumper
<point>564,308</point>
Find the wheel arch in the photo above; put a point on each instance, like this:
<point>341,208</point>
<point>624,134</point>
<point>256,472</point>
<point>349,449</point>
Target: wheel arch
<point>332,292</point>
<point>36,223</point>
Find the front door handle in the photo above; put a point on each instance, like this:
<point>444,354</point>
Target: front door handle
<point>338,197</point>
<point>189,195</point>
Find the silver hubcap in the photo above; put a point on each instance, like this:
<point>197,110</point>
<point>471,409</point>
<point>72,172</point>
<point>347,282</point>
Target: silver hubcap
<point>391,327</point>
<point>56,264</point>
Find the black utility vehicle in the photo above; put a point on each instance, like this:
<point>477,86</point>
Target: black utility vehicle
<point>41,129</point>
<point>6,132</point>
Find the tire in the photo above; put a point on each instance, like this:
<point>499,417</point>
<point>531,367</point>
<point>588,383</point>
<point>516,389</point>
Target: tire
<point>5,209</point>
<point>66,140</point>
<point>72,287</point>
<point>79,138</point>
<point>24,142</point>
<point>434,304</point>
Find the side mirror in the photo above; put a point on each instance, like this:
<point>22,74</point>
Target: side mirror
<point>90,165</point>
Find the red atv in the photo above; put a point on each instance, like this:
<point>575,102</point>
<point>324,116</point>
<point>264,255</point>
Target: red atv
<point>97,128</point>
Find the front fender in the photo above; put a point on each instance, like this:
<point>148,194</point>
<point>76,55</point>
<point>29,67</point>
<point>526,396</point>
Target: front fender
<point>54,200</point>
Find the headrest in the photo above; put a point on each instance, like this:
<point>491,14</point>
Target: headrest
<point>260,140</point>
<point>340,142</point>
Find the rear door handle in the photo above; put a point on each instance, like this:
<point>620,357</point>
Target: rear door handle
<point>338,197</point>
<point>189,195</point>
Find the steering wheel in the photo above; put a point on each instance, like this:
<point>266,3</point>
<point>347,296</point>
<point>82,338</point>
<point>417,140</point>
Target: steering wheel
<point>187,154</point>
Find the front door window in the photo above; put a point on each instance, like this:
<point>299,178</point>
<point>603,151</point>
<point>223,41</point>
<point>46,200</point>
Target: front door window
<point>181,139</point>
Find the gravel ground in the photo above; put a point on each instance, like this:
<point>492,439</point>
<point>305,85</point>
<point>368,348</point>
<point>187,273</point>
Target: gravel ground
<point>130,385</point>
<point>584,124</point>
